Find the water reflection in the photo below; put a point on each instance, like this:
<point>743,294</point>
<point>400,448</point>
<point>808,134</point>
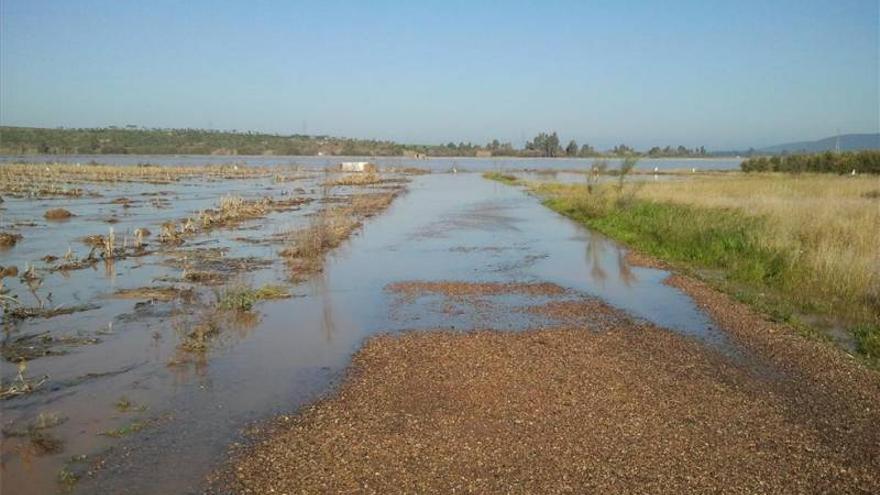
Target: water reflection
<point>595,255</point>
<point>600,254</point>
<point>624,271</point>
<point>328,325</point>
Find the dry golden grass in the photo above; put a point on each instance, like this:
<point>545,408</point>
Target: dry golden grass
<point>830,224</point>
<point>231,211</point>
<point>356,179</point>
<point>125,173</point>
<point>328,229</point>
<point>44,180</point>
<point>802,248</point>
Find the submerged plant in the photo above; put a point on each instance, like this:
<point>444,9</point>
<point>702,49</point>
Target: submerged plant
<point>242,298</point>
<point>22,385</point>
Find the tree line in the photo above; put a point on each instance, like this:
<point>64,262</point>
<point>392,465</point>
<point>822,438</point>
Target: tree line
<point>862,162</point>
<point>134,140</point>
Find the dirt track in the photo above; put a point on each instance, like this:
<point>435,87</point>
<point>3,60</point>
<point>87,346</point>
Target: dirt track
<point>629,408</point>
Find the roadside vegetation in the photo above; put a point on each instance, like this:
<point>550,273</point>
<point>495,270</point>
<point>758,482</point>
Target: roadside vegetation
<point>803,249</point>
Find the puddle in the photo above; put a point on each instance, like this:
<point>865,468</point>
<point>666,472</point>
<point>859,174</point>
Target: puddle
<point>447,227</point>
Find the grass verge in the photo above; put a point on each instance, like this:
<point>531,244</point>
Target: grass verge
<point>796,248</point>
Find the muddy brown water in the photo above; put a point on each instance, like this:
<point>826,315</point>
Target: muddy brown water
<point>447,227</point>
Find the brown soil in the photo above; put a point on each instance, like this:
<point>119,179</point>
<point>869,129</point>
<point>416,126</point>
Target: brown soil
<point>639,259</point>
<point>57,214</point>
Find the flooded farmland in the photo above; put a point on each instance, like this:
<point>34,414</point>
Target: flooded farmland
<point>160,354</point>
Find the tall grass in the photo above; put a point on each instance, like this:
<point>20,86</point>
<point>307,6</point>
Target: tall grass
<point>806,244</point>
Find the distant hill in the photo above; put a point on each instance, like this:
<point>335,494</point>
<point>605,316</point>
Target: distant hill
<point>848,142</point>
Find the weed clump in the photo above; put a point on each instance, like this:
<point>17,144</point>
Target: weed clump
<point>357,179</point>
<point>243,298</point>
<point>57,214</point>
<point>868,340</point>
<point>21,385</point>
<point>125,405</point>
<point>508,179</point>
<point>9,239</point>
<point>198,339</point>
<point>126,430</point>
<point>328,229</point>
<point>163,294</point>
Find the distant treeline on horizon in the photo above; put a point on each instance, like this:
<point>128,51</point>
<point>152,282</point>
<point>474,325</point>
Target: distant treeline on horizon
<point>140,141</point>
<point>859,162</point>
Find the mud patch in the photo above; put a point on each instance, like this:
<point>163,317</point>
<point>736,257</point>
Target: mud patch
<point>156,293</point>
<point>465,289</point>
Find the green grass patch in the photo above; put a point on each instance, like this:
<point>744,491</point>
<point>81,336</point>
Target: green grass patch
<point>868,340</point>
<point>124,405</point>
<point>243,298</point>
<point>126,430</point>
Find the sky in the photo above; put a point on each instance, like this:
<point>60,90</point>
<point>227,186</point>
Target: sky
<point>723,74</point>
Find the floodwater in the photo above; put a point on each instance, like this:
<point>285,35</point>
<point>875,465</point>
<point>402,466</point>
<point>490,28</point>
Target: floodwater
<point>444,164</point>
<point>447,227</point>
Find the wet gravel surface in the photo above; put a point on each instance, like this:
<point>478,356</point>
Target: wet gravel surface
<point>459,289</point>
<point>620,406</point>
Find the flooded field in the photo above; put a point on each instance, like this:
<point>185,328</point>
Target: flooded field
<point>444,164</point>
<point>154,344</point>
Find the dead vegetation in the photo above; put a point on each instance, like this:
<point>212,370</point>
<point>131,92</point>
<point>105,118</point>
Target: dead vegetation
<point>207,278</point>
<point>13,311</point>
<point>460,289</point>
<point>362,179</point>
<point>36,174</point>
<point>328,229</point>
<point>30,347</point>
<point>163,294</point>
<point>57,214</point>
<point>232,306</point>
<point>325,231</point>
<point>109,247</point>
<point>207,264</point>
<point>230,212</point>
<point>9,239</point>
<point>21,385</point>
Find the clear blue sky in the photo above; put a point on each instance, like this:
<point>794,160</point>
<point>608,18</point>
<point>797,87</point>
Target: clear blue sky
<point>725,74</point>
